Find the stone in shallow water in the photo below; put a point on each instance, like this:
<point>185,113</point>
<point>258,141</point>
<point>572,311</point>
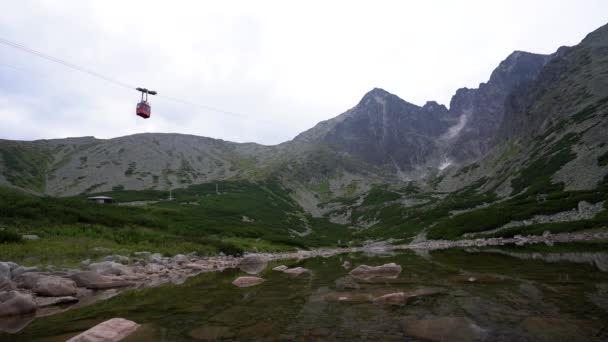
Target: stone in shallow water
<point>15,303</point>
<point>14,324</point>
<point>296,270</point>
<point>253,264</point>
<point>476,278</point>
<point>280,268</point>
<point>389,271</point>
<point>443,329</point>
<point>397,298</point>
<point>112,330</point>
<point>211,333</point>
<point>247,281</point>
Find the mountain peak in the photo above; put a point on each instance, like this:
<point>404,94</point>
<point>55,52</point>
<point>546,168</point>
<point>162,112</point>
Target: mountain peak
<point>381,96</point>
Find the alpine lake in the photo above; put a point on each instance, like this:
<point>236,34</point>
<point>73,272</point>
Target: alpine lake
<point>531,293</point>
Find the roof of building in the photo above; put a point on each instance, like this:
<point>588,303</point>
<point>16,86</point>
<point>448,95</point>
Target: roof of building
<point>99,198</point>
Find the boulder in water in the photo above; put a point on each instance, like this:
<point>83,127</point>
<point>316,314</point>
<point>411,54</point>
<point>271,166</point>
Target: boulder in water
<point>247,281</point>
<point>389,271</point>
<point>443,329</point>
<point>253,263</point>
<point>296,271</point>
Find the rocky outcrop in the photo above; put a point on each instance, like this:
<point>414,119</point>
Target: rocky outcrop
<point>247,281</point>
<point>113,330</point>
<point>109,268</point>
<point>96,281</point>
<point>54,286</point>
<point>5,277</point>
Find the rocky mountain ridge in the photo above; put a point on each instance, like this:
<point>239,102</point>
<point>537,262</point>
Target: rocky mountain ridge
<point>486,133</point>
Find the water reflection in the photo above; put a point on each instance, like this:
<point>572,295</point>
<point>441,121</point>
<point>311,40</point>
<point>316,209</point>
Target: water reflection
<point>597,259</point>
<point>453,295</point>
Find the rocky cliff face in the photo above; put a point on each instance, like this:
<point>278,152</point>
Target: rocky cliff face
<point>481,111</point>
<point>384,130</point>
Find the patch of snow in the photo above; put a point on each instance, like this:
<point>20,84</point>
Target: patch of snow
<point>444,164</point>
<point>457,128</point>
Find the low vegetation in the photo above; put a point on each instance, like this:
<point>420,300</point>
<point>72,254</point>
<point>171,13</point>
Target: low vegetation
<point>228,217</point>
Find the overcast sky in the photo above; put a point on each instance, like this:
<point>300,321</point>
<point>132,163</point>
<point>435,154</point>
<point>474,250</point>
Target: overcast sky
<point>282,66</point>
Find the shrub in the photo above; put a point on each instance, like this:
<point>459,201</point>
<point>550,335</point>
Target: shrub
<point>7,236</point>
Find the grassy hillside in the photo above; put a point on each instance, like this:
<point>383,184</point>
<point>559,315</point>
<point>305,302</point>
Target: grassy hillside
<point>238,216</point>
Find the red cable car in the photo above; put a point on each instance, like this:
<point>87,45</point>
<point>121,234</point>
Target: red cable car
<point>143,108</point>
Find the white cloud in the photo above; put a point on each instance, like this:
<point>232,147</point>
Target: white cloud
<point>285,64</point>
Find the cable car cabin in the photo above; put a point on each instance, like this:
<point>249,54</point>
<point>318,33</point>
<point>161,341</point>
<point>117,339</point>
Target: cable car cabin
<point>143,109</point>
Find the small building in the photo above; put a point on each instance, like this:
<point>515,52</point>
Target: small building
<point>101,199</point>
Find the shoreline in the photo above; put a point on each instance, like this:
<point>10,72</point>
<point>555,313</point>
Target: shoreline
<point>110,278</point>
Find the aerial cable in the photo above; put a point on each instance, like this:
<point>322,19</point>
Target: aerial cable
<point>64,63</point>
<point>106,78</point>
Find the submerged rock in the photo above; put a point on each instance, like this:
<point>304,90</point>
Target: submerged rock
<point>112,330</point>
<point>397,298</point>
<point>247,281</point>
<point>296,270</point>
<point>14,303</point>
<point>14,324</point>
<point>280,268</point>
<point>346,264</point>
<point>558,329</point>
<point>211,333</point>
<point>254,259</point>
<point>253,264</point>
<point>391,270</point>
<point>443,329</point>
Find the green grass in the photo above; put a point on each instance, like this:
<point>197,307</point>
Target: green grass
<point>25,165</point>
<point>520,208</point>
<point>536,177</point>
<point>199,219</point>
<point>380,195</point>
